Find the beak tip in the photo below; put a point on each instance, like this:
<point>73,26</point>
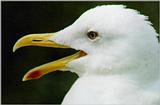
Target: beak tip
<point>14,49</point>
<point>31,75</point>
<point>24,79</point>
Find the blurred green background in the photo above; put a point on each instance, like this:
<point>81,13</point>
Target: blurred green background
<point>21,18</point>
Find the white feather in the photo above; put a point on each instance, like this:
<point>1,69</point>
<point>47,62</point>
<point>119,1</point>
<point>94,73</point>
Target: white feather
<point>122,66</point>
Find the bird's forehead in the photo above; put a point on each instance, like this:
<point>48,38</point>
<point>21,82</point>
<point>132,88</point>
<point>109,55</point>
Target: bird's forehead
<point>108,15</point>
<point>111,19</point>
<point>102,12</point>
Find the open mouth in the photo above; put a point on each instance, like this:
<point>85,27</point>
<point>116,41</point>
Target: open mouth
<point>42,40</point>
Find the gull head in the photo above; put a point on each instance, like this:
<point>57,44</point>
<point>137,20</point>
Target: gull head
<point>109,39</point>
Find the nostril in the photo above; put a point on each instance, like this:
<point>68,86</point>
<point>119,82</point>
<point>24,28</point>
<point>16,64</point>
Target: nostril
<point>37,40</point>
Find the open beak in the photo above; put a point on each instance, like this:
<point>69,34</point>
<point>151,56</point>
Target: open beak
<point>43,40</point>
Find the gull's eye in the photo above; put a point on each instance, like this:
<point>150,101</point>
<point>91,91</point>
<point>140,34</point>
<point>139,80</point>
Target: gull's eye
<point>92,35</point>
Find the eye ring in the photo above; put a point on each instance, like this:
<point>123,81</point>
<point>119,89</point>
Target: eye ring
<point>92,35</point>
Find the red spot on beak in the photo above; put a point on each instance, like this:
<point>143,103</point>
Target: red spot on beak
<point>35,74</point>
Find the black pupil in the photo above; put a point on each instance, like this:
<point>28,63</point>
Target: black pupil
<point>92,35</point>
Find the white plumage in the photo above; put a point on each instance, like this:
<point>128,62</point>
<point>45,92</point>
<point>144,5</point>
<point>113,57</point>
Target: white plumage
<point>122,65</point>
<point>118,62</point>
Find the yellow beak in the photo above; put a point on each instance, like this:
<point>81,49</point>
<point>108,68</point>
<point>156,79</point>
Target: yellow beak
<point>37,40</point>
<point>42,40</point>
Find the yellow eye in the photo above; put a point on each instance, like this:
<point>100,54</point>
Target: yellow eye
<point>92,35</point>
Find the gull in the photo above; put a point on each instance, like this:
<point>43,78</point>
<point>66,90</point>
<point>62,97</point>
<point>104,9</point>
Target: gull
<point>117,58</point>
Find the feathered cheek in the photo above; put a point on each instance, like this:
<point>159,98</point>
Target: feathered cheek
<point>58,39</point>
<point>98,65</point>
<point>78,64</point>
<point>80,45</point>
